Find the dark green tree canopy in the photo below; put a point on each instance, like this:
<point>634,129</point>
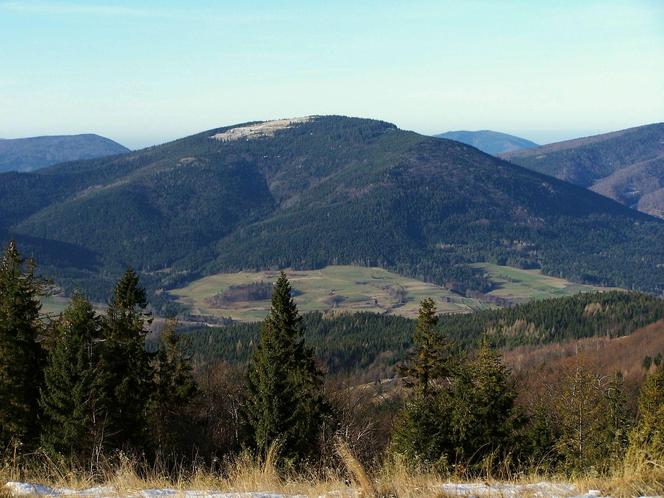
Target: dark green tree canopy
<point>285,404</point>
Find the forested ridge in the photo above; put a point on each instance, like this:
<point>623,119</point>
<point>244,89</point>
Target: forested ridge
<point>328,190</point>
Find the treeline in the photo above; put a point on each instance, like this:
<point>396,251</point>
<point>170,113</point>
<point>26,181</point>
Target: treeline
<point>85,385</point>
<point>368,346</point>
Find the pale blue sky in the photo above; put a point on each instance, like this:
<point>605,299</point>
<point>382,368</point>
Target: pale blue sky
<point>143,72</point>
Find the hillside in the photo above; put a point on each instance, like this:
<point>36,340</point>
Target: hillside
<point>30,154</point>
<point>316,191</point>
<point>370,345</point>
<point>491,142</point>
<point>627,165</point>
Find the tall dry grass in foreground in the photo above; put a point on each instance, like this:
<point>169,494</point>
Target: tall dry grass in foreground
<point>634,476</point>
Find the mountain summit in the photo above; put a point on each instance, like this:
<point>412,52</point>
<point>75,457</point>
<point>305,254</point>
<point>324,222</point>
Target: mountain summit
<point>30,154</point>
<point>308,192</point>
<point>491,142</point>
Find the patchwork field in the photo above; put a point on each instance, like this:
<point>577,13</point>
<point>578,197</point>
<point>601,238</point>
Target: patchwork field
<point>343,288</point>
<point>519,286</point>
<point>242,296</point>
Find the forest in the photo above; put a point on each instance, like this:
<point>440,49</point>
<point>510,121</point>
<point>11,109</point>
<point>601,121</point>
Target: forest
<point>296,390</point>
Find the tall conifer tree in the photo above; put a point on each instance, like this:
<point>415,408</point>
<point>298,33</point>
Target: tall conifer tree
<point>21,356</point>
<point>71,399</point>
<point>125,364</point>
<point>174,389</point>
<point>431,357</point>
<point>285,404</point>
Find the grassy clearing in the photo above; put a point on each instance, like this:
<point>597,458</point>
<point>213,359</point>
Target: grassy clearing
<point>342,288</point>
<point>520,286</point>
<point>354,288</point>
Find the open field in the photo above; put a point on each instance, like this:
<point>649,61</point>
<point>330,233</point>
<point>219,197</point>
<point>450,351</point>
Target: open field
<point>520,286</point>
<point>342,288</point>
<point>354,288</point>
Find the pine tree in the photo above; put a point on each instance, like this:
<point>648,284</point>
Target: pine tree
<point>125,367</point>
<point>70,399</point>
<point>21,356</point>
<point>174,389</point>
<point>431,357</point>
<point>648,435</point>
<point>285,402</point>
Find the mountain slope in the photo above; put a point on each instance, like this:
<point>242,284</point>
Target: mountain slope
<point>626,165</point>
<point>491,142</point>
<point>30,154</point>
<point>326,190</point>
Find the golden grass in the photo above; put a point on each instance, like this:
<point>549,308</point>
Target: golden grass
<point>635,475</point>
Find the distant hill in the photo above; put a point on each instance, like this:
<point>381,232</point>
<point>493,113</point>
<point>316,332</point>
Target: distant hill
<point>491,142</point>
<point>309,192</point>
<point>30,154</point>
<point>626,165</point>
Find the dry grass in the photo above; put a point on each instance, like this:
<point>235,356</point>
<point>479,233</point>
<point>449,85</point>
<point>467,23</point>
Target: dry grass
<point>634,476</point>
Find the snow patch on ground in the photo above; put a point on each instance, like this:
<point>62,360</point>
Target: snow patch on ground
<point>37,490</point>
<point>477,490</point>
<point>535,490</point>
<point>259,130</point>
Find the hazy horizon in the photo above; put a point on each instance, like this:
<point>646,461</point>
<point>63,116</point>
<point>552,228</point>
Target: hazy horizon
<point>147,72</point>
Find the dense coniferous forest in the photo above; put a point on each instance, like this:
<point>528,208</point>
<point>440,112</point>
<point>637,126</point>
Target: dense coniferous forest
<point>83,386</point>
<point>326,190</point>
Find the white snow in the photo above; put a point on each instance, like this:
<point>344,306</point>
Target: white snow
<point>37,490</point>
<point>535,490</point>
<point>264,129</point>
<point>477,490</point>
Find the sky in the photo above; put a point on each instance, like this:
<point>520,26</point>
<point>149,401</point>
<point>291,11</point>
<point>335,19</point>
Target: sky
<point>145,72</point>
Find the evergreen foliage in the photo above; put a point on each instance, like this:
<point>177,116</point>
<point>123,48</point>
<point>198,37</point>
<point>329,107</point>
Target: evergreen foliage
<point>21,356</point>
<point>285,404</point>
<point>74,422</point>
<point>173,389</point>
<point>461,411</point>
<point>125,366</point>
<point>431,356</point>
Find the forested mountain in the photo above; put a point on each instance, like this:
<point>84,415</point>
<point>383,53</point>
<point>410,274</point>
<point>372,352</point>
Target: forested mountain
<point>30,154</point>
<point>626,165</point>
<point>491,142</point>
<point>314,191</point>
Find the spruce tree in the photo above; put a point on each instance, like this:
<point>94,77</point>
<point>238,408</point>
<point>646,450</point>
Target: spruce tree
<point>125,366</point>
<point>71,399</point>
<point>21,356</point>
<point>483,414</point>
<point>174,389</point>
<point>285,403</point>
<point>431,357</point>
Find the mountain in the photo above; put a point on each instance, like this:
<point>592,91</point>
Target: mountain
<point>320,190</point>
<point>626,165</point>
<point>30,154</point>
<point>491,142</point>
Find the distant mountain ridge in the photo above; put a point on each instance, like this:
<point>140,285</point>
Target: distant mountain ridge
<point>33,153</point>
<point>491,142</point>
<point>309,192</point>
<point>626,165</point>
